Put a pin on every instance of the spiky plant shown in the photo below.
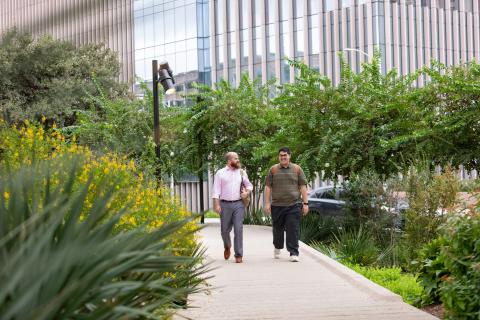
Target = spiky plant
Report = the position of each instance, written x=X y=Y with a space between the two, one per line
x=61 y=259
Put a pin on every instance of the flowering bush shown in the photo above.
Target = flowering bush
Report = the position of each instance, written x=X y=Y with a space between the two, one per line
x=148 y=205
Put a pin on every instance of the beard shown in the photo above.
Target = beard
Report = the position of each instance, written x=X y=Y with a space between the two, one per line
x=236 y=165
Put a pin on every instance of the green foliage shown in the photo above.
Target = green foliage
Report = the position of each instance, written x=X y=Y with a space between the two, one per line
x=52 y=78
x=148 y=203
x=393 y=279
x=432 y=270
x=59 y=262
x=314 y=227
x=453 y=273
x=367 y=198
x=125 y=126
x=470 y=185
x=344 y=129
x=225 y=119
x=449 y=109
x=430 y=197
x=257 y=217
x=356 y=246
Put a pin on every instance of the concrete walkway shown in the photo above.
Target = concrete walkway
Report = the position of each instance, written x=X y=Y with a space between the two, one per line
x=265 y=288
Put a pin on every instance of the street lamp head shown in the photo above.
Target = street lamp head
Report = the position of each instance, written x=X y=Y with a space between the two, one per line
x=165 y=76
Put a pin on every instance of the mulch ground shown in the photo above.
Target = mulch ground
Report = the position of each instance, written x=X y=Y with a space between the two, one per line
x=435 y=309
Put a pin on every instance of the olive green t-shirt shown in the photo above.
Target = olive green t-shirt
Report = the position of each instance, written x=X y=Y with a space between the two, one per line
x=285 y=184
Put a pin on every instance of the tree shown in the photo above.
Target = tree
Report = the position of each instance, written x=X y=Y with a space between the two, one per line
x=125 y=126
x=230 y=119
x=345 y=129
x=450 y=112
x=52 y=78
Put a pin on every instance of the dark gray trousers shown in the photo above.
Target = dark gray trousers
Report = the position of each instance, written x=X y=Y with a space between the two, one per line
x=231 y=216
x=286 y=220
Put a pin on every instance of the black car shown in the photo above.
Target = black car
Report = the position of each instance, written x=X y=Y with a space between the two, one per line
x=330 y=201
x=327 y=201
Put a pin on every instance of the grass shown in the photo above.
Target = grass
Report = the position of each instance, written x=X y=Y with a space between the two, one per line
x=403 y=284
x=211 y=214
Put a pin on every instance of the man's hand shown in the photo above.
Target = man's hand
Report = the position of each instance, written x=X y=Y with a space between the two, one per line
x=244 y=193
x=267 y=209
x=218 y=209
x=305 y=209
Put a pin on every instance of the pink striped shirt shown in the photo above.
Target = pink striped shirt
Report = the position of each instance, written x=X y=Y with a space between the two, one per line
x=226 y=184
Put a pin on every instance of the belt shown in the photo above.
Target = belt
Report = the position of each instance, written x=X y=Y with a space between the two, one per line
x=230 y=200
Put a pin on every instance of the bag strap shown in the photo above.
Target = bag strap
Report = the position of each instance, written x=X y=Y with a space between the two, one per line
x=242 y=174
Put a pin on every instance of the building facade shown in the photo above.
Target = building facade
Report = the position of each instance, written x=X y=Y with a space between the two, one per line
x=175 y=31
x=79 y=21
x=232 y=37
x=209 y=40
x=257 y=36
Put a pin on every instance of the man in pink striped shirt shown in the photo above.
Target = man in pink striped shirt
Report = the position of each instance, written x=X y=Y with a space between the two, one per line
x=230 y=186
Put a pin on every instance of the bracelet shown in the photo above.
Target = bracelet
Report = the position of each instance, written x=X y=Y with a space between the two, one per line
x=305 y=203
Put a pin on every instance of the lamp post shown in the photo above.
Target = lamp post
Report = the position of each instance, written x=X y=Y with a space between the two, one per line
x=163 y=75
x=358 y=50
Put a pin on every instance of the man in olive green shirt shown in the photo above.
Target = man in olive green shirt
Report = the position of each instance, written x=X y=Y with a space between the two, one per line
x=286 y=185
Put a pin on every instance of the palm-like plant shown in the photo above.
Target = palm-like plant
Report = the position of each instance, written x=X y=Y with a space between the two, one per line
x=58 y=262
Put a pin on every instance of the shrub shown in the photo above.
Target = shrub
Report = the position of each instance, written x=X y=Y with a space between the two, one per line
x=356 y=246
x=353 y=246
x=430 y=197
x=61 y=258
x=453 y=274
x=432 y=270
x=470 y=185
x=314 y=227
x=367 y=198
x=149 y=205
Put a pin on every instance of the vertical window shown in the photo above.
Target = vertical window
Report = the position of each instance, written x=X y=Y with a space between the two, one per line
x=347 y=3
x=298 y=8
x=270 y=10
x=469 y=5
x=313 y=6
x=258 y=13
x=219 y=16
x=231 y=16
x=284 y=9
x=244 y=14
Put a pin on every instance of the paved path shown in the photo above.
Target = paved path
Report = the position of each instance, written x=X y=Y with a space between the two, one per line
x=265 y=288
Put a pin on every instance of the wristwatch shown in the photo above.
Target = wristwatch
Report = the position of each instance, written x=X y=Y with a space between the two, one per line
x=305 y=203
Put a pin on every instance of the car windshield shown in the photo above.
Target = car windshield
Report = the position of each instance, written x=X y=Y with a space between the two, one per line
x=332 y=194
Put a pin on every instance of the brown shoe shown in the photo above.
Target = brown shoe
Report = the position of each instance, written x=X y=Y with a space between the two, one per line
x=226 y=253
x=238 y=260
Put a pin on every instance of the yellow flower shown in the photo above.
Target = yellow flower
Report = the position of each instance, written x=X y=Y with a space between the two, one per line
x=6 y=195
x=132 y=221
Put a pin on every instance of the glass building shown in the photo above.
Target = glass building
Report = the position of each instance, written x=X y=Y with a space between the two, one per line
x=409 y=34
x=209 y=40
x=175 y=31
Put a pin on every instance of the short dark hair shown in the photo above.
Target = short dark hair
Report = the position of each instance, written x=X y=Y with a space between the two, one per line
x=284 y=149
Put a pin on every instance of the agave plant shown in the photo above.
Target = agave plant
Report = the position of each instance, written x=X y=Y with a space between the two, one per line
x=59 y=260
x=356 y=246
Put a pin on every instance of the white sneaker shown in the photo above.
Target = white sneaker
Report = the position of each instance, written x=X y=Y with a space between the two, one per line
x=294 y=259
x=276 y=253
